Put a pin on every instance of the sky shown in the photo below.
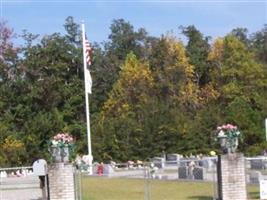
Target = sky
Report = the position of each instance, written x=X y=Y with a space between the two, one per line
x=212 y=17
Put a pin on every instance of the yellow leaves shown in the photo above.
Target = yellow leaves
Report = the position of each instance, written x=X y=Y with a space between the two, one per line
x=208 y=93
x=234 y=72
x=232 y=89
x=11 y=144
x=30 y=138
x=216 y=50
x=180 y=75
x=131 y=89
x=177 y=51
x=189 y=94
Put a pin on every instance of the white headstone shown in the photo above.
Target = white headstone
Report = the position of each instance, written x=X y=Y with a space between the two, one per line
x=3 y=174
x=263 y=189
x=40 y=167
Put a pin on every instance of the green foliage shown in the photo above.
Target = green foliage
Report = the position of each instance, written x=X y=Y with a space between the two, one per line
x=259 y=44
x=241 y=34
x=197 y=51
x=123 y=116
x=149 y=94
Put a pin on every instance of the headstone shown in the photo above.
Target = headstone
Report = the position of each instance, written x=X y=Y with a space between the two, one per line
x=183 y=163
x=172 y=158
x=158 y=162
x=182 y=172
x=3 y=174
x=263 y=189
x=257 y=164
x=108 y=170
x=198 y=173
x=40 y=167
x=254 y=177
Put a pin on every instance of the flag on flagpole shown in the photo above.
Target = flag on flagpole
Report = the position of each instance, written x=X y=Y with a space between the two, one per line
x=88 y=79
x=88 y=89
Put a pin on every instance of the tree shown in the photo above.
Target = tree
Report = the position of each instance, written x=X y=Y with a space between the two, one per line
x=123 y=118
x=259 y=44
x=242 y=35
x=175 y=77
x=197 y=51
x=161 y=97
x=124 y=39
x=74 y=34
x=108 y=57
x=241 y=84
x=177 y=95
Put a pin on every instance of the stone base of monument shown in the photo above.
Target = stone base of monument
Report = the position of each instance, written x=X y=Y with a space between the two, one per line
x=61 y=181
x=232 y=177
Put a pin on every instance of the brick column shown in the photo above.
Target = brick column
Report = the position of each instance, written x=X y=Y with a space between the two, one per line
x=61 y=182
x=232 y=177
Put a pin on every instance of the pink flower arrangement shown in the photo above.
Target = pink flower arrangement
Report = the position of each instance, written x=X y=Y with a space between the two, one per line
x=227 y=127
x=228 y=135
x=228 y=130
x=62 y=139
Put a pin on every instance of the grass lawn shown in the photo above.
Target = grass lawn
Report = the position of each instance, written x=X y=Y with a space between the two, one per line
x=134 y=189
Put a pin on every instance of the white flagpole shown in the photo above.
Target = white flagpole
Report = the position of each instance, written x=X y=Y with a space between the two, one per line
x=90 y=157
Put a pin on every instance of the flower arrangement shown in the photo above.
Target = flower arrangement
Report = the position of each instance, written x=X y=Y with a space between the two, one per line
x=62 y=140
x=228 y=135
x=60 y=147
x=228 y=130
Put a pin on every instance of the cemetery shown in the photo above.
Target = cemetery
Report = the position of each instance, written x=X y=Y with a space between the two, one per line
x=173 y=176
x=224 y=177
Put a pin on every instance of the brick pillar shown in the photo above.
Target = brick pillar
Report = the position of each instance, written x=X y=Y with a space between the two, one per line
x=232 y=177
x=61 y=181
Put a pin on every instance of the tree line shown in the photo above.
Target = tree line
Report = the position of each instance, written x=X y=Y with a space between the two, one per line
x=150 y=94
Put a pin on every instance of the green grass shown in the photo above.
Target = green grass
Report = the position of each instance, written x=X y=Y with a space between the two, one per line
x=134 y=189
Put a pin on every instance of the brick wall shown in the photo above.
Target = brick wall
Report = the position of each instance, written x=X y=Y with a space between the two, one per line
x=61 y=181
x=233 y=177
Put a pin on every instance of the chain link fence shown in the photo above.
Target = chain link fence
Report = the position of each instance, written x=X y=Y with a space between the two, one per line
x=182 y=171
x=153 y=176
x=256 y=170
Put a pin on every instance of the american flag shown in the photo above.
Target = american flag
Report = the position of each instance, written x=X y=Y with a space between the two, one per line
x=87 y=48
x=88 y=79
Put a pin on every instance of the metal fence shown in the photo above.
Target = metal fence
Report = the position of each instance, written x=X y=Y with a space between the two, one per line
x=78 y=173
x=256 y=170
x=185 y=170
x=150 y=174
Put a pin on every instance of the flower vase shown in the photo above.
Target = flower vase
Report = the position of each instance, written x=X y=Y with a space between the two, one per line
x=233 y=144
x=55 y=151
x=60 y=154
x=65 y=154
x=224 y=143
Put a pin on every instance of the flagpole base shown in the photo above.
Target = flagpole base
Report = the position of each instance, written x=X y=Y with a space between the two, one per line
x=90 y=163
